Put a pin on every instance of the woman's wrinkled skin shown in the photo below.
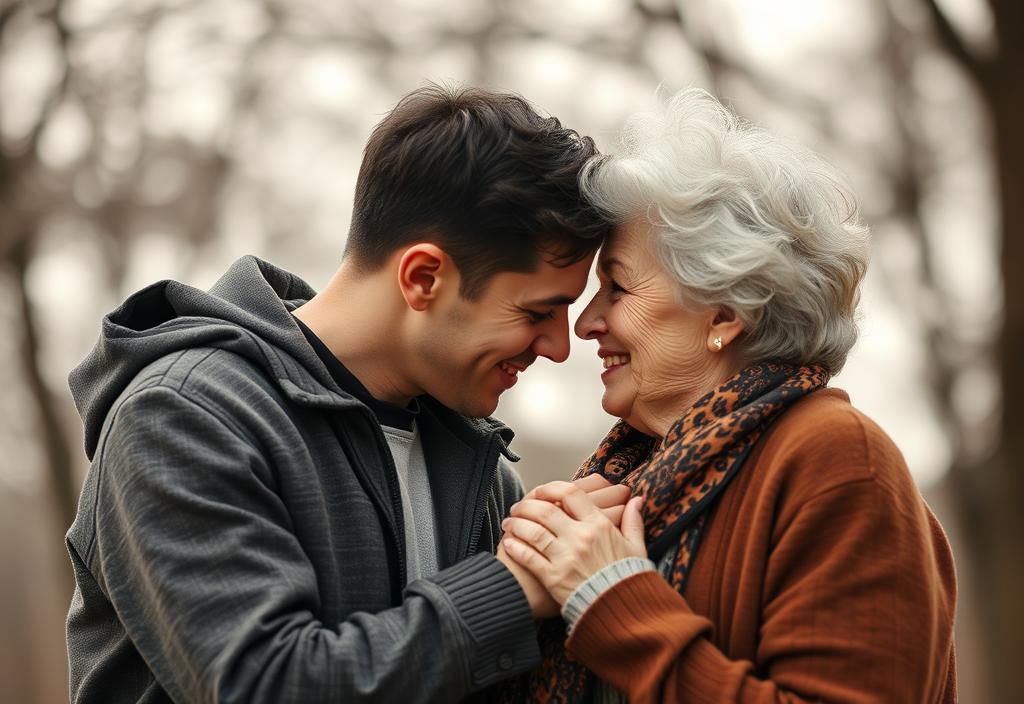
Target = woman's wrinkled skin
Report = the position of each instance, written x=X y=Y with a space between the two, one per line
x=672 y=356
x=664 y=357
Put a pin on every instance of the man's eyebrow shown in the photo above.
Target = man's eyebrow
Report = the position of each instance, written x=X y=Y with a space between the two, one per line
x=557 y=300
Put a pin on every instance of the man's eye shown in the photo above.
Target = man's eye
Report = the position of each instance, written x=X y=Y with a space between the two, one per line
x=538 y=317
x=614 y=287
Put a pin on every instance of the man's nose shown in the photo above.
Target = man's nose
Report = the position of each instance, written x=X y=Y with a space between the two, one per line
x=553 y=343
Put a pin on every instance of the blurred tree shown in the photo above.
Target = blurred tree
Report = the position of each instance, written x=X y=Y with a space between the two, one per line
x=984 y=478
x=991 y=492
x=126 y=118
x=28 y=191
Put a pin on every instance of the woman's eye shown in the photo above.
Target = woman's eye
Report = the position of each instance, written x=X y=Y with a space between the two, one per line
x=614 y=289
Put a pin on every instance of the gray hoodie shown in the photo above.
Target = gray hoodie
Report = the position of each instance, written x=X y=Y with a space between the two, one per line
x=239 y=534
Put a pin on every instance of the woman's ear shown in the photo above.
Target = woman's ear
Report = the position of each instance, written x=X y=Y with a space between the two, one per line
x=423 y=269
x=725 y=327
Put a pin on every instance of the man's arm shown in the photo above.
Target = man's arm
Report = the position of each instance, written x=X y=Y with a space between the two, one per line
x=197 y=556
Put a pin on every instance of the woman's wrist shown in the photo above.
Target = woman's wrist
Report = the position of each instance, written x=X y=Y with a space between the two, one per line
x=604 y=579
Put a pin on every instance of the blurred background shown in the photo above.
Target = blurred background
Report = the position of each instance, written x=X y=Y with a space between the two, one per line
x=143 y=140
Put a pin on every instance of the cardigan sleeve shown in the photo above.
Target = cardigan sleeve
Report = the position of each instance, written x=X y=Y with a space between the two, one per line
x=854 y=602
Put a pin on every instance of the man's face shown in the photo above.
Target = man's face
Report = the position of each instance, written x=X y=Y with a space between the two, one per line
x=476 y=349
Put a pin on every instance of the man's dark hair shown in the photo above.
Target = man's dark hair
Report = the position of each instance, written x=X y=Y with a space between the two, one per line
x=481 y=175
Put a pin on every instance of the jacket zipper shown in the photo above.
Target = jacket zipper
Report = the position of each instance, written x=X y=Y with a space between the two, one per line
x=391 y=476
x=396 y=504
x=490 y=458
x=481 y=499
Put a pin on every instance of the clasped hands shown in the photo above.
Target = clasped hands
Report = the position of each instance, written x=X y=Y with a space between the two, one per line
x=562 y=533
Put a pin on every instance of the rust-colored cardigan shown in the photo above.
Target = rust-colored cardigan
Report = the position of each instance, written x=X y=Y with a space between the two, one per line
x=821 y=576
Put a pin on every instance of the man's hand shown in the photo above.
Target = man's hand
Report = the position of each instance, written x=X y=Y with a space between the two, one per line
x=609 y=498
x=542 y=605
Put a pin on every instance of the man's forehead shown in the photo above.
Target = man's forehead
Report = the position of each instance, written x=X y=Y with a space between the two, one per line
x=550 y=285
x=556 y=300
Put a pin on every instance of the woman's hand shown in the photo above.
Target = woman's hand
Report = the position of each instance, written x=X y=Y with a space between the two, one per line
x=609 y=498
x=563 y=538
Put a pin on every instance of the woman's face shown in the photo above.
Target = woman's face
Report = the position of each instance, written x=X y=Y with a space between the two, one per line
x=659 y=357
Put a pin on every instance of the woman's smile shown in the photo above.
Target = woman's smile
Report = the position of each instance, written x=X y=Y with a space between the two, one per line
x=612 y=361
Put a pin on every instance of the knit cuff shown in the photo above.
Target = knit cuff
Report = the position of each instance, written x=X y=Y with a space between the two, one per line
x=643 y=620
x=497 y=615
x=608 y=576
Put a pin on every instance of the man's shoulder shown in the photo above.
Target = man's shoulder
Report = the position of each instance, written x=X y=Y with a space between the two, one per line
x=222 y=383
x=201 y=371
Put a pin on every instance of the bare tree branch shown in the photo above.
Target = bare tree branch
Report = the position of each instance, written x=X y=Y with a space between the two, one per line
x=55 y=442
x=60 y=90
x=954 y=43
x=6 y=13
x=670 y=13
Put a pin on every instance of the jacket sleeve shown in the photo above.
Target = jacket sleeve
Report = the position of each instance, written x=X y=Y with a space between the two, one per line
x=854 y=599
x=194 y=549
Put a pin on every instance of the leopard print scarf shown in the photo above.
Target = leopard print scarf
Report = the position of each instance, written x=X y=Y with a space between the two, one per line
x=680 y=477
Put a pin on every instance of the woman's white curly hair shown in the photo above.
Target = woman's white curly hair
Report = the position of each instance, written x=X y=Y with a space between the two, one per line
x=744 y=220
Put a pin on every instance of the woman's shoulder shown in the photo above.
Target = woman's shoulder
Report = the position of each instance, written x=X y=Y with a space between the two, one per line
x=827 y=442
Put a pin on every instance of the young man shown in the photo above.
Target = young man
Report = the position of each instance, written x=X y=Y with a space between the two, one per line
x=296 y=497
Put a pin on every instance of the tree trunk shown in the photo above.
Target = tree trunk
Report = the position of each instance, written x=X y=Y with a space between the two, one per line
x=55 y=442
x=1006 y=534
x=991 y=496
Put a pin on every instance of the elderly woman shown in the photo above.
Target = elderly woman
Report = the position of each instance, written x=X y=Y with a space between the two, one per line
x=776 y=548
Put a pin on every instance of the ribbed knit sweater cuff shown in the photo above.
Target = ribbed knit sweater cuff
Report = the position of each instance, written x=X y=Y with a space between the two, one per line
x=497 y=615
x=587 y=593
x=634 y=632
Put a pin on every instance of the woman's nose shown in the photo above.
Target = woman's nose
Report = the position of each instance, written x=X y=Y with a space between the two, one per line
x=591 y=322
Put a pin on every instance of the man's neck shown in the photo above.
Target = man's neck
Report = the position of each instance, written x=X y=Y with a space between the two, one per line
x=358 y=323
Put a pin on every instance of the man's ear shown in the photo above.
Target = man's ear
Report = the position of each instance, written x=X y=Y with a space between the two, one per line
x=725 y=327
x=423 y=269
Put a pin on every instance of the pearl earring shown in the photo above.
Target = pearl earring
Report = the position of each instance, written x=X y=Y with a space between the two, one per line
x=718 y=343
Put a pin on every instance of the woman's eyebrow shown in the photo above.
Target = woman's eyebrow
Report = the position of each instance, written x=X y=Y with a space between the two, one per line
x=606 y=265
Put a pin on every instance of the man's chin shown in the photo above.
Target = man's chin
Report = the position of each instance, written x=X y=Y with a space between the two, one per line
x=482 y=410
x=479 y=407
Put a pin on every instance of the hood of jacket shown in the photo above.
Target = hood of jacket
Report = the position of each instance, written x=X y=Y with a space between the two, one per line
x=248 y=311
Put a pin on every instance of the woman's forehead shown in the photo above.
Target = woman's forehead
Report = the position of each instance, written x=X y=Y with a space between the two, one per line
x=624 y=246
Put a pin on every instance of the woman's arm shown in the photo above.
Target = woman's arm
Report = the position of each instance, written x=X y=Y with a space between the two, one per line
x=853 y=611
